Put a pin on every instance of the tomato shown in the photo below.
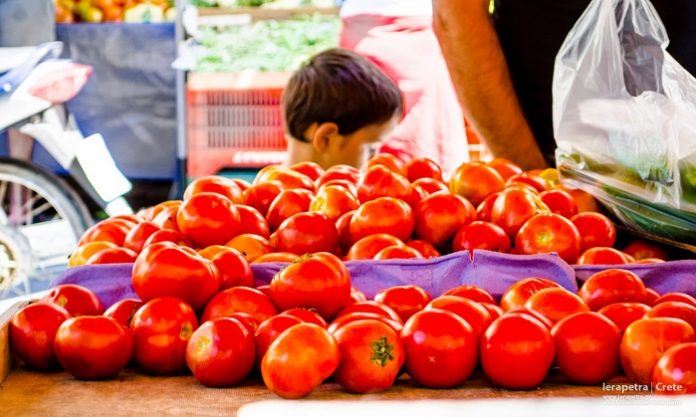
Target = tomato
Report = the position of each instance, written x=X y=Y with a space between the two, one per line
x=519 y=292
x=505 y=167
x=166 y=219
x=471 y=311
x=221 y=352
x=475 y=181
x=398 y=252
x=647 y=261
x=363 y=315
x=165 y=269
x=333 y=201
x=370 y=306
x=430 y=185
x=138 y=235
x=260 y=196
x=32 y=332
x=493 y=310
x=645 y=340
x=343 y=229
x=382 y=215
x=350 y=187
x=306 y=315
x=595 y=230
x=242 y=300
x=424 y=248
x=356 y=295
x=602 y=256
x=80 y=256
x=161 y=329
x=640 y=249
x=441 y=348
x=215 y=184
x=675 y=372
x=291 y=179
x=517 y=351
x=587 y=348
x=532 y=180
x=250 y=246
x=233 y=268
x=379 y=181
x=299 y=360
x=168 y=236
x=418 y=168
x=405 y=300
x=387 y=161
x=481 y=235
x=548 y=233
x=309 y=169
x=623 y=314
x=675 y=309
x=676 y=296
x=124 y=310
x=208 y=219
x=556 y=303
x=283 y=257
x=307 y=233
x=513 y=208
x=252 y=222
x=484 y=210
x=269 y=331
x=369 y=246
x=335 y=173
x=287 y=203
x=108 y=230
x=112 y=256
x=266 y=290
x=471 y=292
x=533 y=314
x=371 y=356
x=93 y=347
x=612 y=286
x=559 y=202
x=248 y=321
x=440 y=215
x=651 y=296
x=79 y=301
x=151 y=213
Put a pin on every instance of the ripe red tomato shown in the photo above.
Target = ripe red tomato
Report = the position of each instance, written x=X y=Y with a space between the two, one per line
x=173 y=236
x=242 y=184
x=547 y=233
x=556 y=304
x=640 y=249
x=418 y=168
x=343 y=228
x=475 y=181
x=405 y=300
x=233 y=268
x=382 y=215
x=334 y=173
x=363 y=315
x=252 y=222
x=161 y=329
x=440 y=215
x=93 y=347
x=525 y=178
x=306 y=315
x=559 y=202
x=471 y=292
x=505 y=167
x=261 y=195
x=517 y=351
x=645 y=340
x=345 y=184
x=513 y=208
x=595 y=230
x=290 y=179
x=380 y=181
x=612 y=286
x=518 y=293
x=675 y=372
x=493 y=310
x=371 y=356
x=283 y=257
x=587 y=348
x=441 y=348
x=623 y=314
x=138 y=235
x=424 y=248
x=165 y=269
x=471 y=311
x=308 y=168
x=240 y=300
x=388 y=161
x=215 y=184
x=32 y=332
x=533 y=314
x=299 y=360
x=221 y=352
x=370 y=306
x=356 y=295
x=318 y=281
x=247 y=320
x=112 y=256
x=484 y=210
x=307 y=233
x=430 y=185
x=79 y=301
x=602 y=256
x=250 y=246
x=675 y=309
x=269 y=330
x=166 y=219
x=651 y=296
x=109 y=230
x=676 y=296
x=481 y=235
x=287 y=203
x=333 y=201
x=398 y=252
x=369 y=246
x=208 y=219
x=124 y=310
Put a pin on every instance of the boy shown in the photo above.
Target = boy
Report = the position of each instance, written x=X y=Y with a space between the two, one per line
x=337 y=107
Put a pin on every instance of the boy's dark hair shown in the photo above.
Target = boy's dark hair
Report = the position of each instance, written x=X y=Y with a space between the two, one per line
x=342 y=87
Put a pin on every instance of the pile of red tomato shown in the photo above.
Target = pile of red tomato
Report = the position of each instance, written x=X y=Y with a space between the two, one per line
x=310 y=325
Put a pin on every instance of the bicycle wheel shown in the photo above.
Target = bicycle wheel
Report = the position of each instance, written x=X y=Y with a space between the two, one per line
x=41 y=220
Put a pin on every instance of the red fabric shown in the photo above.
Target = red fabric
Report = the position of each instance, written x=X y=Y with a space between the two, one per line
x=406 y=49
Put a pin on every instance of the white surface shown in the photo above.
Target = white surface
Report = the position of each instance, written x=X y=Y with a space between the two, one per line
x=101 y=169
x=14 y=110
x=391 y=8
x=13 y=57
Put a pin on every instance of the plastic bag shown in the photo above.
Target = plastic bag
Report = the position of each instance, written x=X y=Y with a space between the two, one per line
x=624 y=115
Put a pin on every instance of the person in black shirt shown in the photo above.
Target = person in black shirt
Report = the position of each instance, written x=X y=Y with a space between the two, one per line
x=502 y=67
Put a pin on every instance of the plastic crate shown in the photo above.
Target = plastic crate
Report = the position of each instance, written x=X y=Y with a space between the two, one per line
x=234 y=121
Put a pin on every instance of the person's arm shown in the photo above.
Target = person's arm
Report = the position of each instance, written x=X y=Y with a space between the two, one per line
x=480 y=75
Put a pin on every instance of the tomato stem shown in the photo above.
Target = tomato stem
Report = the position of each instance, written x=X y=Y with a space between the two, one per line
x=382 y=351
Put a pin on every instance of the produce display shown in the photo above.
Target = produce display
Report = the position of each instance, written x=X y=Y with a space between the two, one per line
x=128 y=11
x=266 y=4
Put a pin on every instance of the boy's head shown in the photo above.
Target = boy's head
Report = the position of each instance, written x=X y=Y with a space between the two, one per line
x=337 y=106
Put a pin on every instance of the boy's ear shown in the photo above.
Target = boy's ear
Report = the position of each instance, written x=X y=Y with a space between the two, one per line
x=323 y=134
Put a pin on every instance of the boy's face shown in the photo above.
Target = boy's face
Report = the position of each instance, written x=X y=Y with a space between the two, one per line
x=355 y=149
